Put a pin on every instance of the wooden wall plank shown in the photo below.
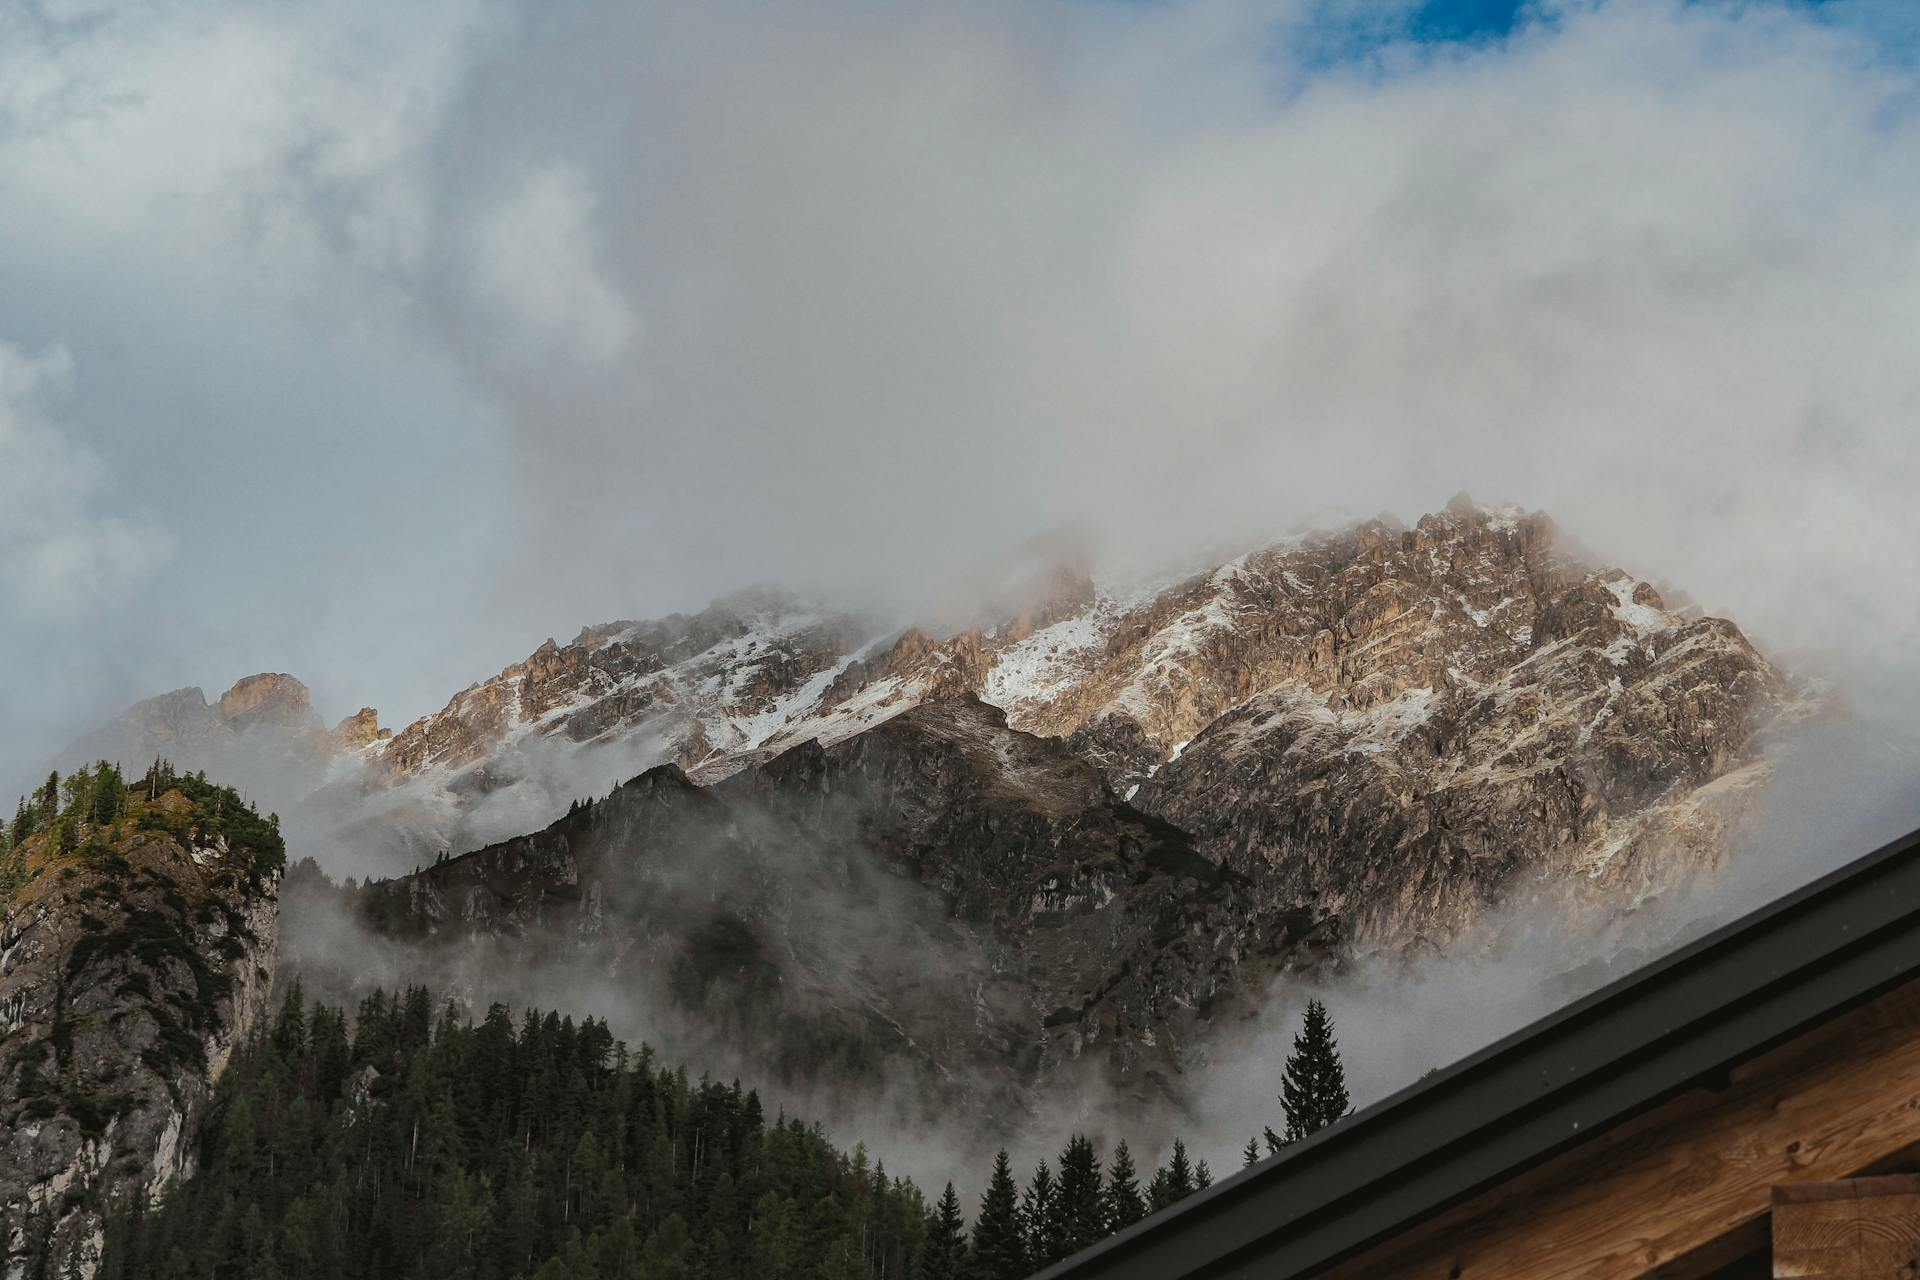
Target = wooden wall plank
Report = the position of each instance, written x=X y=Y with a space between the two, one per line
x=1650 y=1195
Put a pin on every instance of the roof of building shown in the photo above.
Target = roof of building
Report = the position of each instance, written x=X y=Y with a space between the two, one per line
x=1682 y=1021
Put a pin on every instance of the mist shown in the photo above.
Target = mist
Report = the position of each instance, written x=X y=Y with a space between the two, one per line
x=377 y=343
x=839 y=986
x=1842 y=788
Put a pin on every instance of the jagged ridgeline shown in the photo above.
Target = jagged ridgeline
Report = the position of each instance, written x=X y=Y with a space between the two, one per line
x=413 y=1143
x=140 y=924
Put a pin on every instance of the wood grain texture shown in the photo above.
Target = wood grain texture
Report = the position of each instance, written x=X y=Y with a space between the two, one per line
x=1847 y=1229
x=1685 y=1190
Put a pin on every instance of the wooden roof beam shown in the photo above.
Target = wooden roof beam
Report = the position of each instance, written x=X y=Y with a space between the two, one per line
x=1684 y=1191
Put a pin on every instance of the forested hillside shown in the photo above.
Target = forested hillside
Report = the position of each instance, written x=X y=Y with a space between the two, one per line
x=412 y=1143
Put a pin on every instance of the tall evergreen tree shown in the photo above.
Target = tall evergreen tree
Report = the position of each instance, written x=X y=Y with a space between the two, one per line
x=999 y=1241
x=108 y=797
x=944 y=1256
x=78 y=790
x=1123 y=1200
x=1313 y=1090
x=1040 y=1217
x=289 y=1036
x=1179 y=1171
x=1080 y=1206
x=1250 y=1154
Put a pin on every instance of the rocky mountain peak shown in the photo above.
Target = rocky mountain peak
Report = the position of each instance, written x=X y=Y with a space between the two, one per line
x=1358 y=628
x=269 y=698
x=359 y=730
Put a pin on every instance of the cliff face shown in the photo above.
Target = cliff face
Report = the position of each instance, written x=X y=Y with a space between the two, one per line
x=1353 y=621
x=1440 y=713
x=130 y=966
x=710 y=684
x=262 y=734
x=945 y=906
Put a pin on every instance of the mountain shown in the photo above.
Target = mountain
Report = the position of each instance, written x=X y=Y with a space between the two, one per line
x=1068 y=849
x=138 y=947
x=267 y=712
x=898 y=913
x=1475 y=643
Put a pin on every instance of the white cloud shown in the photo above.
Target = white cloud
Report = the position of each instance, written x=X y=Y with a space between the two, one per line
x=535 y=258
x=368 y=283
x=65 y=551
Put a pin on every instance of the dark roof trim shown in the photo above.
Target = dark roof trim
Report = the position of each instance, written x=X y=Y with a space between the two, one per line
x=1682 y=1021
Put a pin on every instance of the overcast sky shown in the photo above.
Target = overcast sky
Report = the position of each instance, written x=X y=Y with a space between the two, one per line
x=377 y=342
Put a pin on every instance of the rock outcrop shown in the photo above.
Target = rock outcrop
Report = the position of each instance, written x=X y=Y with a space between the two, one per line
x=262 y=734
x=359 y=730
x=130 y=966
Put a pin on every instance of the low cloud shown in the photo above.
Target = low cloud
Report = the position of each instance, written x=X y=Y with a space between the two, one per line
x=65 y=546
x=443 y=328
x=535 y=261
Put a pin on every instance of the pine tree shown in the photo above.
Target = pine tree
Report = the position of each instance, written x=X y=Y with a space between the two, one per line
x=1250 y=1154
x=108 y=796
x=1159 y=1193
x=999 y=1245
x=1202 y=1176
x=1179 y=1172
x=1081 y=1211
x=944 y=1256
x=1313 y=1091
x=289 y=1037
x=78 y=790
x=1123 y=1202
x=1040 y=1217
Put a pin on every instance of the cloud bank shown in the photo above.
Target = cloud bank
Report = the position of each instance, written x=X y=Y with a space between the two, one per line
x=63 y=551
x=417 y=333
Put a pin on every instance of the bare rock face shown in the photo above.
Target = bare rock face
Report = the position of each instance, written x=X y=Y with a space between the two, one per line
x=711 y=686
x=943 y=906
x=177 y=724
x=263 y=732
x=279 y=701
x=128 y=972
x=1514 y=658
x=1392 y=725
x=359 y=730
x=1478 y=714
